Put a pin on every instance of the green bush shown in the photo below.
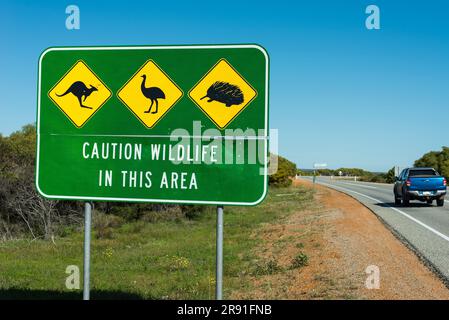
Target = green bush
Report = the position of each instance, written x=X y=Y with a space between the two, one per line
x=439 y=160
x=266 y=268
x=299 y=261
x=104 y=224
x=128 y=212
x=390 y=176
x=22 y=209
x=23 y=212
x=286 y=170
x=192 y=211
x=170 y=214
x=354 y=172
x=326 y=172
x=136 y=211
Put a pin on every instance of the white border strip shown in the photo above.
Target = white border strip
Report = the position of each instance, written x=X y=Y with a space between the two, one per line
x=253 y=46
x=204 y=138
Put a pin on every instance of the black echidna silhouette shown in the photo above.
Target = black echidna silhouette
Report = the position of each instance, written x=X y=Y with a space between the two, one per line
x=224 y=92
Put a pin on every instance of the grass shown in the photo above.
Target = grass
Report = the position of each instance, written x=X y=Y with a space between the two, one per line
x=142 y=260
x=300 y=261
x=266 y=268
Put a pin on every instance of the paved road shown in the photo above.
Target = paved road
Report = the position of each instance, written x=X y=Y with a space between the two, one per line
x=424 y=227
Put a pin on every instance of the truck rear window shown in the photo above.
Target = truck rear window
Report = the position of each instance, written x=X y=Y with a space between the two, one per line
x=424 y=172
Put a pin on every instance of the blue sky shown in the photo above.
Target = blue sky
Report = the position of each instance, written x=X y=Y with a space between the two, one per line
x=340 y=93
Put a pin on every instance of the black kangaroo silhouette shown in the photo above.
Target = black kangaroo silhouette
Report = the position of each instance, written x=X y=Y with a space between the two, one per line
x=152 y=93
x=81 y=91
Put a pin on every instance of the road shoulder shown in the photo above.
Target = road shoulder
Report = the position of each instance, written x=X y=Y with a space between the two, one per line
x=342 y=240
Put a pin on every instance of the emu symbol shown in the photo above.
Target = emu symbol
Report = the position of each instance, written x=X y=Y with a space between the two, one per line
x=152 y=93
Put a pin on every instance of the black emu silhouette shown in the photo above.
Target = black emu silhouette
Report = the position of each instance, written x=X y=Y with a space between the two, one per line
x=152 y=93
x=81 y=91
x=224 y=92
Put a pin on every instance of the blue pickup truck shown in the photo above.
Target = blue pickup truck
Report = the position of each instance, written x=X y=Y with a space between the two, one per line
x=423 y=184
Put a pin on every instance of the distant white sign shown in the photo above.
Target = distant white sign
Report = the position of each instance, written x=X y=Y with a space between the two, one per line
x=320 y=165
x=396 y=171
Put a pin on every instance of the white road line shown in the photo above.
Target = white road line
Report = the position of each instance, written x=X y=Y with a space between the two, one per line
x=359 y=185
x=395 y=209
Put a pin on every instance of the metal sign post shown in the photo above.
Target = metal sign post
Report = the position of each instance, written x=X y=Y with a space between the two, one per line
x=87 y=233
x=219 y=270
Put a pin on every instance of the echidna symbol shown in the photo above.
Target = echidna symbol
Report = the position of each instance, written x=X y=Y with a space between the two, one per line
x=224 y=92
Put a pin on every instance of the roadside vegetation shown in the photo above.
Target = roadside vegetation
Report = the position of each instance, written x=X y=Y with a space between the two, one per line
x=286 y=170
x=150 y=251
x=159 y=256
x=439 y=160
x=24 y=214
x=138 y=250
x=362 y=175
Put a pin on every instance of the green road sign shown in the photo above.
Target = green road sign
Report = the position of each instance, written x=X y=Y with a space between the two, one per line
x=175 y=124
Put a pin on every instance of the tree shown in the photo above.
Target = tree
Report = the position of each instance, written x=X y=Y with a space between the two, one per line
x=24 y=212
x=325 y=172
x=429 y=159
x=390 y=176
x=21 y=206
x=286 y=170
x=354 y=172
x=439 y=160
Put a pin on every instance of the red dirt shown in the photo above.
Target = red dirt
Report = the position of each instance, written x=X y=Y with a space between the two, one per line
x=341 y=238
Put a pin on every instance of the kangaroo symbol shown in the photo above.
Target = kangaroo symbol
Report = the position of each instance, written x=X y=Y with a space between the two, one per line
x=81 y=91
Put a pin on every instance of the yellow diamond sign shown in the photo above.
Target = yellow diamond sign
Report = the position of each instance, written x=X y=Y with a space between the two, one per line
x=79 y=94
x=150 y=94
x=222 y=94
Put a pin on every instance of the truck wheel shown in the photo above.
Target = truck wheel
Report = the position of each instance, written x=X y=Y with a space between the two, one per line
x=397 y=201
x=440 y=202
x=405 y=200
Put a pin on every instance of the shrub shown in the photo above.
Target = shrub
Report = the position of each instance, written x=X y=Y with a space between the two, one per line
x=192 y=211
x=170 y=214
x=282 y=177
x=105 y=223
x=439 y=160
x=136 y=211
x=299 y=261
x=390 y=176
x=270 y=267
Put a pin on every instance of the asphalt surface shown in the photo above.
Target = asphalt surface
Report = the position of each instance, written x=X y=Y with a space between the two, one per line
x=425 y=228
